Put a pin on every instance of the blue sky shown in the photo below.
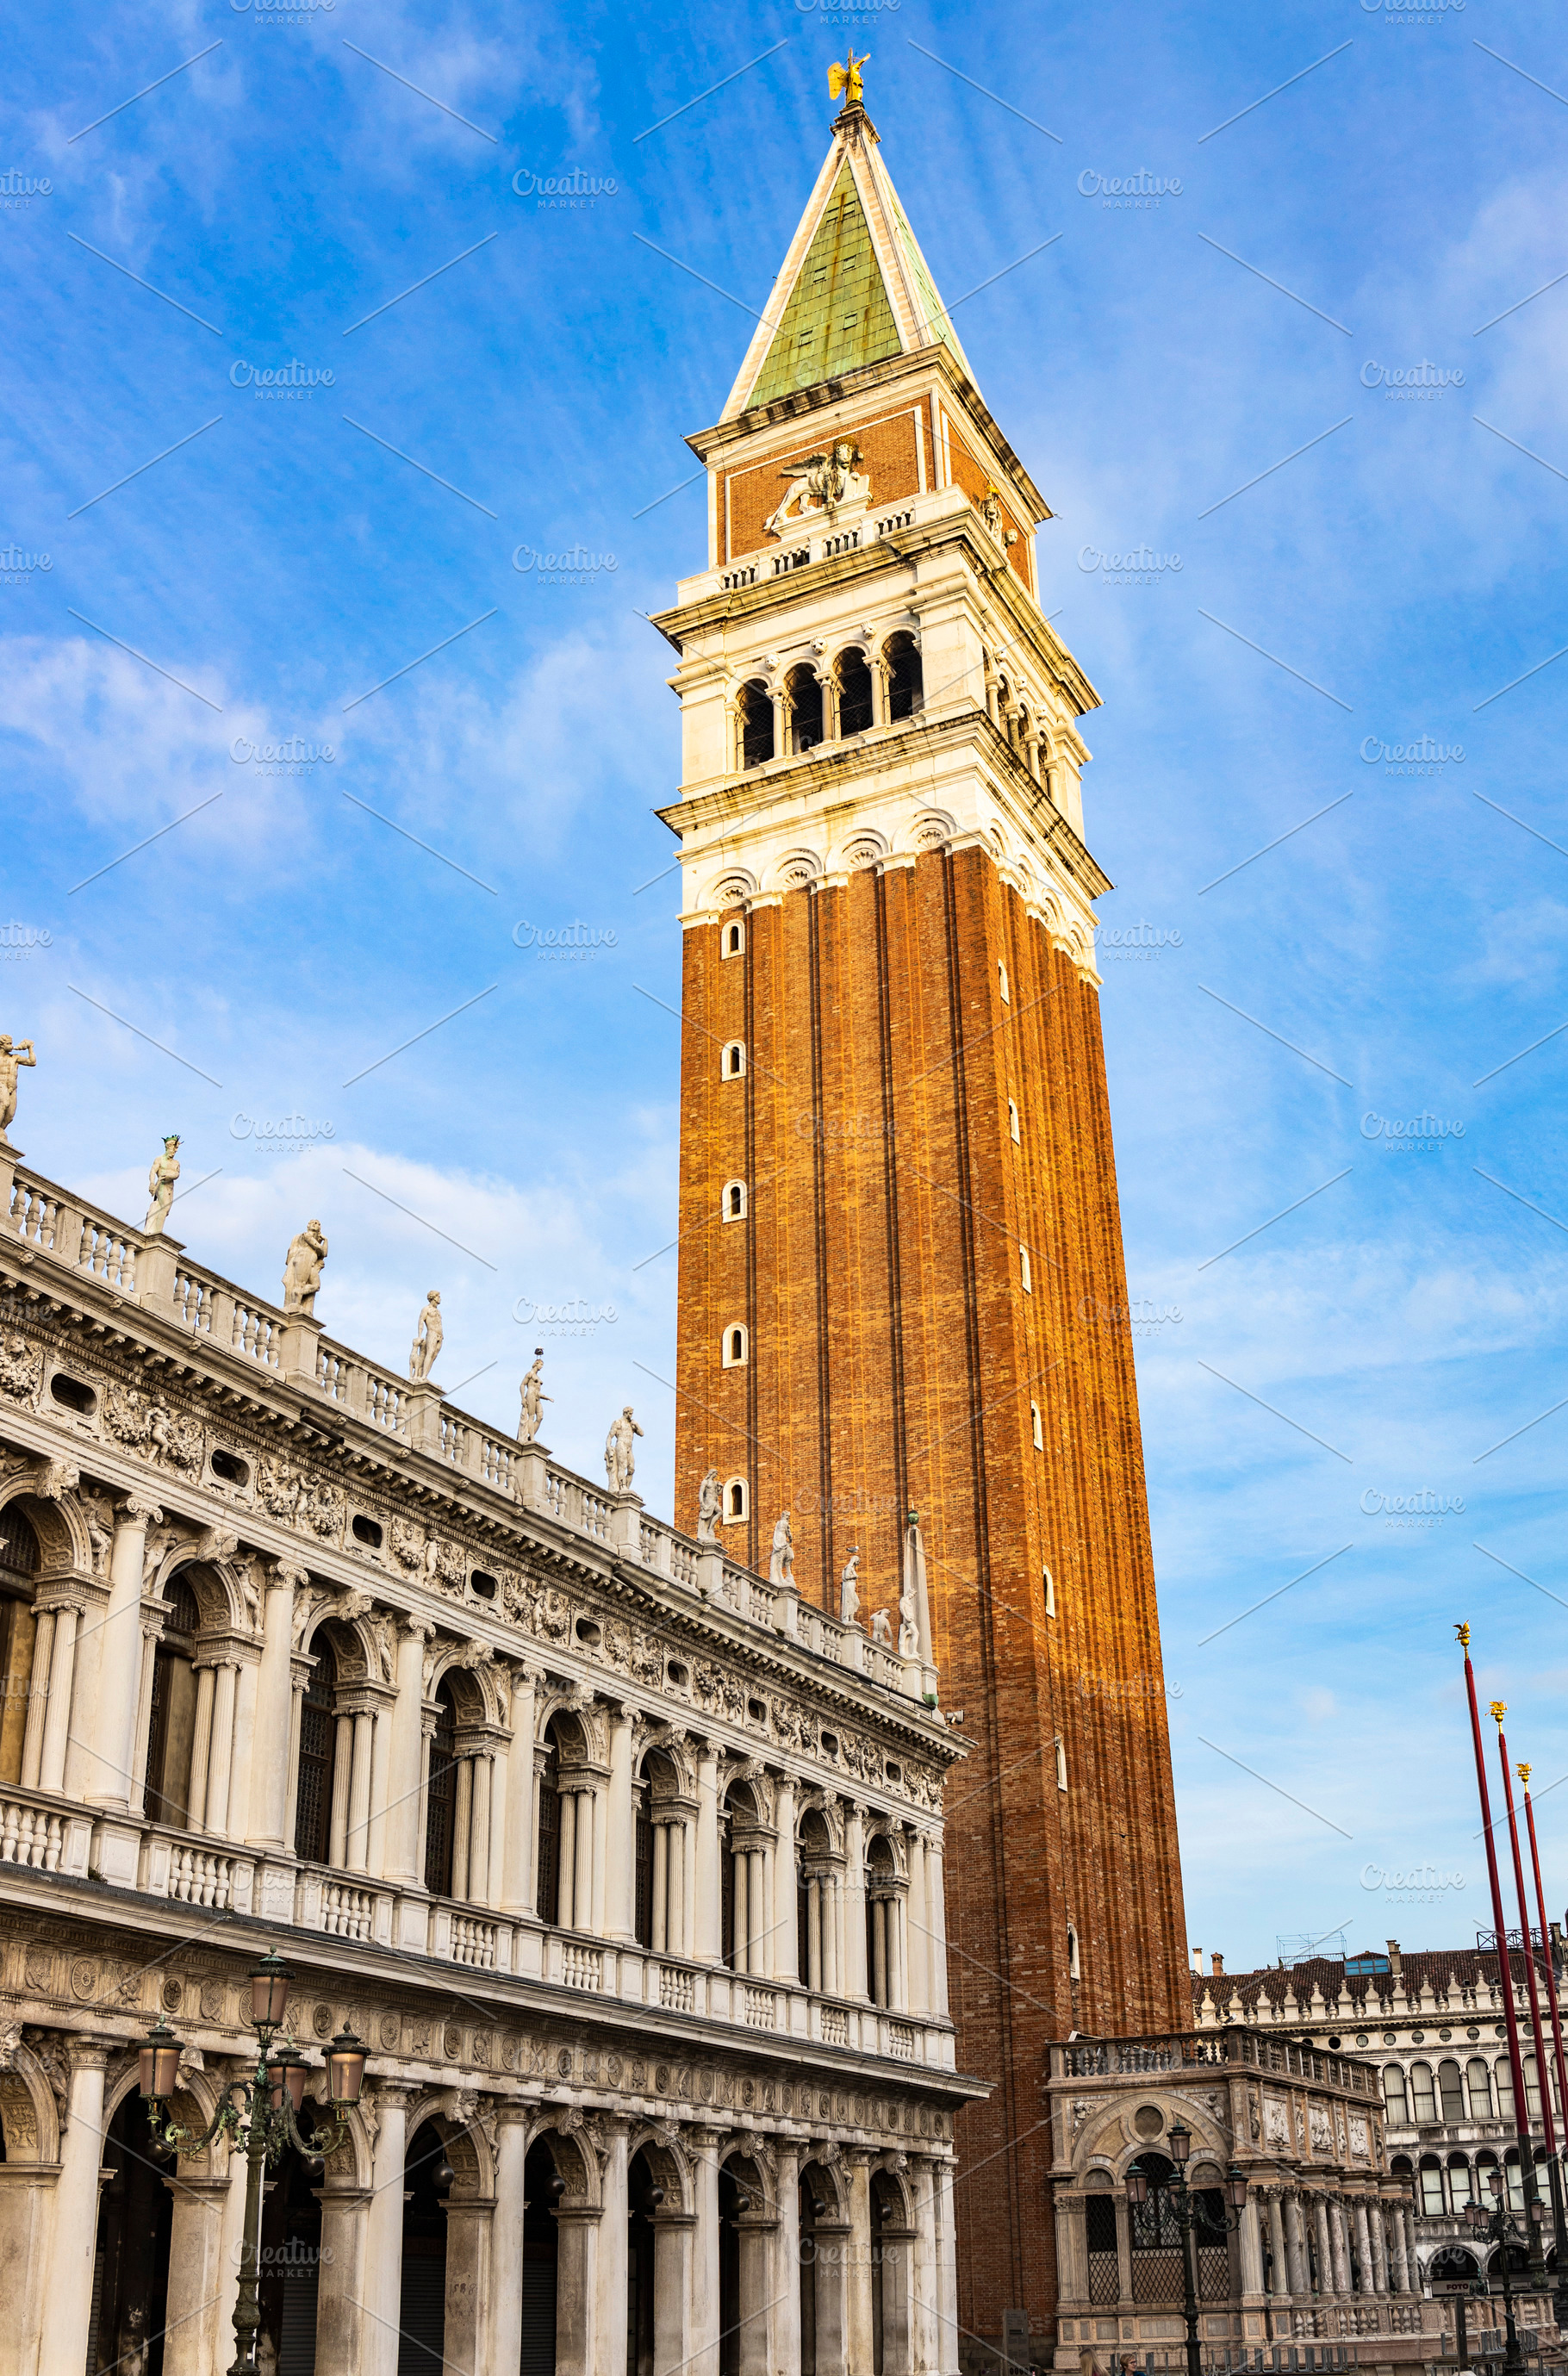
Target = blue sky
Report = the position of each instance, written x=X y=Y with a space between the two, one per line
x=285 y=188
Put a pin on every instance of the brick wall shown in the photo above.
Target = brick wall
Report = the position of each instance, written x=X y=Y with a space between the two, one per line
x=893 y=1360
x=889 y=461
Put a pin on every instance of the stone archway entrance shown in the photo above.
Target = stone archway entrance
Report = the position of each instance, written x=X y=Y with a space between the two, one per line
x=421 y=2314
x=542 y=2190
x=130 y=2270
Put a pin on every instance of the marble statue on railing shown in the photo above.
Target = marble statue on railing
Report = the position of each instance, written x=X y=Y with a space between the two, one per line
x=12 y=1057
x=531 y=1417
x=710 y=1504
x=908 y=1631
x=781 y=1558
x=301 y=1271
x=161 y=1185
x=882 y=1629
x=848 y=1595
x=620 y=1459
x=428 y=1335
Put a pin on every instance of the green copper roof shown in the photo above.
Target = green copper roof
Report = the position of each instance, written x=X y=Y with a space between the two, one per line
x=838 y=316
x=936 y=311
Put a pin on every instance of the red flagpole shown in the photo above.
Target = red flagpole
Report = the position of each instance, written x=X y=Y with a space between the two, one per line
x=1504 y=1969
x=1546 y=1945
x=1543 y=2069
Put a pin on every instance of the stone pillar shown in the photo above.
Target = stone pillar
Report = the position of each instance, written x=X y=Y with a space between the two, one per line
x=829 y=2279
x=1299 y=2277
x=575 y=2295
x=756 y=2302
x=478 y=1834
x=610 y=2318
x=897 y=2300
x=704 y=2338
x=1401 y=2269
x=620 y=1844
x=786 y=1956
x=1327 y=2275
x=855 y=1980
x=599 y=1811
x=503 y=2325
x=517 y=1873
x=55 y=1746
x=384 y=2229
x=707 y=1944
x=243 y=1777
x=342 y=1764
x=566 y=1861
x=38 y=1698
x=922 y=2338
x=380 y=1789
x=75 y=2238
x=1252 y=2249
x=271 y=1808
x=340 y=2320
x=109 y=1670
x=858 y=2273
x=784 y=2280
x=918 y=1926
x=220 y=1755
x=1406 y=2218
x=1339 y=2245
x=1280 y=2268
x=1370 y=2284
x=357 y=1846
x=193 y=2342
x=151 y=1635
x=404 y=1763
x=673 y=2232
x=948 y=2299
x=936 y=1905
x=471 y=2278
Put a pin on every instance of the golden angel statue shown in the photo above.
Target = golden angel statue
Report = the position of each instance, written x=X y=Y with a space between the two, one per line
x=845 y=80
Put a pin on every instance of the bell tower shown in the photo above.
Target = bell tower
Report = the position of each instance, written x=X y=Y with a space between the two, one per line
x=901 y=1275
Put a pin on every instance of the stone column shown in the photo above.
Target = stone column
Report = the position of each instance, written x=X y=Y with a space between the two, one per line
x=405 y=1776
x=1407 y=2218
x=340 y=2322
x=342 y=1765
x=833 y=2241
x=588 y=1895
x=219 y=1761
x=918 y=1926
x=784 y=2279
x=578 y=2227
x=598 y=1809
x=897 y=2300
x=1280 y=2269
x=858 y=2273
x=271 y=1810
x=462 y=1822
x=707 y=1944
x=55 y=1746
x=786 y=1957
x=756 y=2303
x=704 y=2338
x=517 y=1873
x=471 y=2276
x=922 y=2338
x=936 y=1908
x=503 y=2326
x=566 y=1861
x=620 y=1844
x=1299 y=2281
x=38 y=1698
x=1252 y=2249
x=243 y=1776
x=1370 y=2284
x=1339 y=2245
x=150 y=1634
x=610 y=2319
x=380 y=1789
x=384 y=2229
x=75 y=2237
x=109 y=1670
x=357 y=1846
x=948 y=2299
x=193 y=2342
x=1327 y=2276
x=1400 y=2271
x=855 y=1980
x=673 y=2232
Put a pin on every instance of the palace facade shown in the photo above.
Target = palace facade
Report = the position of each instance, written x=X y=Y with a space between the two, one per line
x=627 y=1867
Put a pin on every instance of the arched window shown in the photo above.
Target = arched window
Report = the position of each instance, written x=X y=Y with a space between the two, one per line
x=854 y=691
x=732 y=1060
x=1450 y=2093
x=906 y=683
x=1099 y=2238
x=732 y=938
x=735 y=1498
x=1513 y=2178
x=1025 y=1272
x=18 y=1565
x=1532 y=2091
x=816 y=1904
x=1002 y=983
x=734 y=1204
x=755 y=706
x=734 y=1349
x=1479 y=2079
x=1012 y=1123
x=803 y=697
x=442 y=1797
x=881 y=1921
x=1502 y=2080
x=1060 y=1763
x=1072 y=1972
x=1395 y=2099
x=1423 y=2103
x=1154 y=2236
x=313 y=1797
x=172 y=1734
x=1049 y=1591
x=1431 y=2186
x=546 y=1876
x=1036 y=1427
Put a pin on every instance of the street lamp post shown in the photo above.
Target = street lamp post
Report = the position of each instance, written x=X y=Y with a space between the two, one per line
x=273 y=2094
x=1499 y=2225
x=1191 y=2217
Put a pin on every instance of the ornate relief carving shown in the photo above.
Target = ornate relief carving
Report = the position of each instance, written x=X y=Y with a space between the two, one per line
x=21 y=1369
x=279 y=1486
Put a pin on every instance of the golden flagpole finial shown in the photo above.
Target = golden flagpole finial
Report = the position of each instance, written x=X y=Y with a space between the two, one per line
x=1462 y=1633
x=1498 y=1708
x=1523 y=1774
x=845 y=81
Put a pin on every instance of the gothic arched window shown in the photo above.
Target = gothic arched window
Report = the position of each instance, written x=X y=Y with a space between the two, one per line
x=854 y=691
x=802 y=696
x=755 y=709
x=906 y=680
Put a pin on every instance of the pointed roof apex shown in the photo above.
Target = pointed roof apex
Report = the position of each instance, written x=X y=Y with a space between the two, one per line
x=854 y=287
